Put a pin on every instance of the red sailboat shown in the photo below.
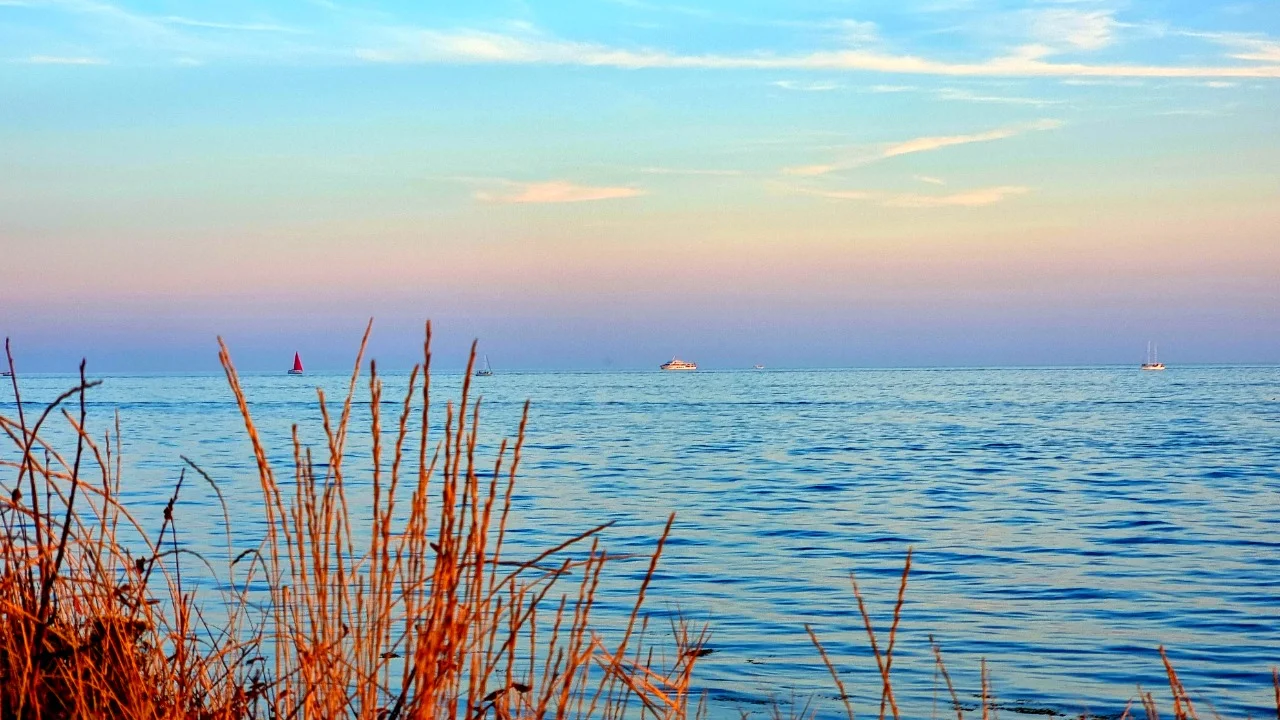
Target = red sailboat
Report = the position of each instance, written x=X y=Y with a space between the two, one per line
x=297 y=365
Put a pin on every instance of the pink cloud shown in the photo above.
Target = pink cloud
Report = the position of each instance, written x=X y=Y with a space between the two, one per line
x=558 y=191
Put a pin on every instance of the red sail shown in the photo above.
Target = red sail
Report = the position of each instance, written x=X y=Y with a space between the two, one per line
x=297 y=362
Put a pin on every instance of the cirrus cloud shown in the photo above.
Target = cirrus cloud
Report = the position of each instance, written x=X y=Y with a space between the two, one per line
x=63 y=60
x=978 y=197
x=557 y=191
x=921 y=144
x=424 y=45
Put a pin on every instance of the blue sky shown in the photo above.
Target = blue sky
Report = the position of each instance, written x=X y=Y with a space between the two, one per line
x=605 y=184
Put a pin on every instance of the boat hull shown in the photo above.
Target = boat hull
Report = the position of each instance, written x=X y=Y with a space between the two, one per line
x=295 y=372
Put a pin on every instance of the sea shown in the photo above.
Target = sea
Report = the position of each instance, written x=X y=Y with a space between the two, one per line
x=1064 y=522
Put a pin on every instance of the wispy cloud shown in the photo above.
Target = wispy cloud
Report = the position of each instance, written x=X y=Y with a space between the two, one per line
x=556 y=191
x=407 y=45
x=891 y=88
x=806 y=86
x=969 y=198
x=689 y=171
x=1192 y=112
x=1247 y=46
x=922 y=144
x=120 y=28
x=967 y=96
x=1103 y=82
x=930 y=179
x=925 y=144
x=238 y=27
x=1071 y=28
x=63 y=60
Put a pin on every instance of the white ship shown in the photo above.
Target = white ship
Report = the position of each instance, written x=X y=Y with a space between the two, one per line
x=678 y=364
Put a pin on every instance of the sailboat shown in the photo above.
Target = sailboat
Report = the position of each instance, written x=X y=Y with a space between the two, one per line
x=297 y=365
x=485 y=371
x=1153 y=361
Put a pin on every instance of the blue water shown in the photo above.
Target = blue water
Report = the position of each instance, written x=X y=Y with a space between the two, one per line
x=1065 y=521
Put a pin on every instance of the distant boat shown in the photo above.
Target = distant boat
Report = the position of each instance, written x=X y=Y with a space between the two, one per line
x=6 y=373
x=485 y=371
x=758 y=366
x=678 y=364
x=297 y=365
x=1153 y=362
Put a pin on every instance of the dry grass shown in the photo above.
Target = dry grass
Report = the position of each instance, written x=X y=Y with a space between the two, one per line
x=1183 y=709
x=423 y=619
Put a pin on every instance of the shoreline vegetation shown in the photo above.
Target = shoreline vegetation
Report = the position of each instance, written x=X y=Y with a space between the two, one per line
x=411 y=613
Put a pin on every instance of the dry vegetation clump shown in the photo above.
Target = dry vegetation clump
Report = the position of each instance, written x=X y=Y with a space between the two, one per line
x=410 y=613
x=424 y=619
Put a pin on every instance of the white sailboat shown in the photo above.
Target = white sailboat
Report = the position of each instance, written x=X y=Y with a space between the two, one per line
x=485 y=371
x=1153 y=361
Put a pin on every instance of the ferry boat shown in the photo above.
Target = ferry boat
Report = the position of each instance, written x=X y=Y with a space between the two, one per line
x=678 y=364
x=485 y=371
x=297 y=365
x=1153 y=362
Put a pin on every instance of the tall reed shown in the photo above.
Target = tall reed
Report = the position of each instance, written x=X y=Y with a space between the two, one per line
x=423 y=619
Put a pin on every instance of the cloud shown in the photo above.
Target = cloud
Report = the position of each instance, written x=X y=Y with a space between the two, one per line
x=689 y=171
x=557 y=191
x=930 y=179
x=1247 y=46
x=61 y=60
x=1076 y=29
x=1112 y=83
x=806 y=86
x=412 y=45
x=891 y=88
x=241 y=27
x=966 y=96
x=812 y=170
x=923 y=144
x=1192 y=112
x=970 y=198
x=857 y=32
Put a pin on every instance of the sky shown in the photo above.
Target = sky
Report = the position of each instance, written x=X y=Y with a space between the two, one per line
x=592 y=185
